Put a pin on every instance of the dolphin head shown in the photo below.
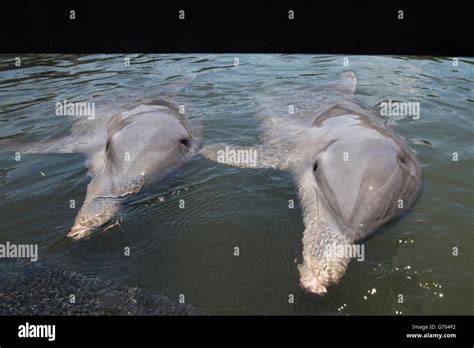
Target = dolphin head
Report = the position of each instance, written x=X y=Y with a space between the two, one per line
x=362 y=177
x=94 y=214
x=143 y=145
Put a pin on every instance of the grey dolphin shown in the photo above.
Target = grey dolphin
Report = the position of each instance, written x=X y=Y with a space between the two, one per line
x=130 y=145
x=353 y=172
x=142 y=145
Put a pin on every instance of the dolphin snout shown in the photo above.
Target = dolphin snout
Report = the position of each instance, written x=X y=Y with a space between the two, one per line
x=94 y=215
x=79 y=231
x=310 y=283
x=318 y=274
x=314 y=285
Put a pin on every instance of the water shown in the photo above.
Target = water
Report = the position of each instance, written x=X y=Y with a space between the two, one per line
x=191 y=251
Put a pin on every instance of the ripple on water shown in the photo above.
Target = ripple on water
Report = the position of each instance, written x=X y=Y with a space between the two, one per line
x=191 y=251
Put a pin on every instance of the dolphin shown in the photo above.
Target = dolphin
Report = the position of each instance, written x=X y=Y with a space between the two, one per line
x=142 y=145
x=129 y=146
x=353 y=172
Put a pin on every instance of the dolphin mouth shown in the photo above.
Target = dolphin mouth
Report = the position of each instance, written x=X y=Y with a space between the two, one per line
x=314 y=286
x=316 y=278
x=78 y=232
x=310 y=283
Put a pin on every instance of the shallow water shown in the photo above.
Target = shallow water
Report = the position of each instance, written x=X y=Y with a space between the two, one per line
x=191 y=251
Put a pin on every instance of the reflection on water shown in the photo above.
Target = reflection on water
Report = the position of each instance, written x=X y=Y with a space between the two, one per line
x=191 y=251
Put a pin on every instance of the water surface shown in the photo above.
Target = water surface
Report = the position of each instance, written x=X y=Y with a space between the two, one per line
x=191 y=251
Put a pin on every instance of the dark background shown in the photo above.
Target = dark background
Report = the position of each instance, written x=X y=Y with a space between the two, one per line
x=223 y=329
x=330 y=27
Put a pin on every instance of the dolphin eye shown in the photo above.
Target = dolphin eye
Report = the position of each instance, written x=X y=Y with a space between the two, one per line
x=185 y=142
x=315 y=166
x=402 y=160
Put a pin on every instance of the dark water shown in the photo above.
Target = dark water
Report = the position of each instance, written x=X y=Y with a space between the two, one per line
x=191 y=251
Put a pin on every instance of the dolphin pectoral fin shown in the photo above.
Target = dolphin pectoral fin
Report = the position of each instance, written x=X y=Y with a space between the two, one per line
x=237 y=155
